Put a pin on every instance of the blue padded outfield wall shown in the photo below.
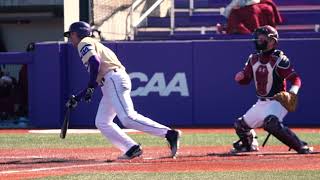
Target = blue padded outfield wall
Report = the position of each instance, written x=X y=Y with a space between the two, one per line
x=177 y=83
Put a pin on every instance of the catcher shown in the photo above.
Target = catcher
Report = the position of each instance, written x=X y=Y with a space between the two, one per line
x=270 y=69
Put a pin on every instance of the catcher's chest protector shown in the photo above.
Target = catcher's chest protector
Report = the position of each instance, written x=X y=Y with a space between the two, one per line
x=266 y=79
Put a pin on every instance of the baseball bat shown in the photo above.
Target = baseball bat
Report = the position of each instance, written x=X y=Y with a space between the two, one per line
x=65 y=125
x=265 y=141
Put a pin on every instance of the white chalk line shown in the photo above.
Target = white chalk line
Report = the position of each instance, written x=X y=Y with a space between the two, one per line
x=78 y=166
x=57 y=168
x=75 y=131
x=23 y=157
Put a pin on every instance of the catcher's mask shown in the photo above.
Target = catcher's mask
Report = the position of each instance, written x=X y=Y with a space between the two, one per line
x=269 y=32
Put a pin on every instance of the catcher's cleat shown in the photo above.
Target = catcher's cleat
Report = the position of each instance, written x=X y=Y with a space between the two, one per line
x=173 y=137
x=305 y=150
x=239 y=148
x=134 y=151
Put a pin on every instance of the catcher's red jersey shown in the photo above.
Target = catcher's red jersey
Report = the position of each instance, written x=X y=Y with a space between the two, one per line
x=270 y=72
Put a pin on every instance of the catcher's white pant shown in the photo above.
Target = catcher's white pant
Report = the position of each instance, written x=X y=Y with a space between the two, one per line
x=255 y=116
x=116 y=100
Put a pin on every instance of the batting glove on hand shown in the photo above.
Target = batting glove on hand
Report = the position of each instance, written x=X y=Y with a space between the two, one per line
x=72 y=102
x=88 y=95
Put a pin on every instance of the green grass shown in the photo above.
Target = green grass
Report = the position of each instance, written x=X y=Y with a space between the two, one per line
x=16 y=141
x=97 y=140
x=239 y=175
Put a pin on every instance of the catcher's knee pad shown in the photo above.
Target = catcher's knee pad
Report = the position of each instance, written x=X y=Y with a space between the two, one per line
x=282 y=133
x=271 y=123
x=244 y=133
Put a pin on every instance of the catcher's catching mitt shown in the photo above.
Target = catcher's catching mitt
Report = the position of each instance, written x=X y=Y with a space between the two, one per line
x=287 y=100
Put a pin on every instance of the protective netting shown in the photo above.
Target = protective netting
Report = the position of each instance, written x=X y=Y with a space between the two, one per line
x=103 y=9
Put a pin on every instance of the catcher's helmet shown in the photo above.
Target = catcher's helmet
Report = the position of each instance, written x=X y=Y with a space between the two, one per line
x=267 y=30
x=83 y=29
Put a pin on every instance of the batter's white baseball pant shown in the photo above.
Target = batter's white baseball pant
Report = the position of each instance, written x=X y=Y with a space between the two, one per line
x=116 y=100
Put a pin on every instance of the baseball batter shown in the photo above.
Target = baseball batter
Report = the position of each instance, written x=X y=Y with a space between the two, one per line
x=106 y=71
x=270 y=69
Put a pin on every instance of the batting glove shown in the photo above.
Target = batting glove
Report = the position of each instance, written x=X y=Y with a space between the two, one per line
x=88 y=95
x=72 y=102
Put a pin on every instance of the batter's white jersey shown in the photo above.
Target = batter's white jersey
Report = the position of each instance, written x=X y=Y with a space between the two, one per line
x=108 y=60
x=116 y=98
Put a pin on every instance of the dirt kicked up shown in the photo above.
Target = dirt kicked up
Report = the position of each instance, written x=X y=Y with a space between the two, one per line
x=28 y=163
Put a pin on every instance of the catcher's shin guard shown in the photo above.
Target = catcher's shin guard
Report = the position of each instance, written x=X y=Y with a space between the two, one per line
x=245 y=135
x=282 y=133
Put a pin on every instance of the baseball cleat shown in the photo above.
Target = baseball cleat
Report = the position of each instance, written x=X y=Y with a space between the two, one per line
x=305 y=150
x=239 y=148
x=244 y=149
x=173 y=137
x=134 y=151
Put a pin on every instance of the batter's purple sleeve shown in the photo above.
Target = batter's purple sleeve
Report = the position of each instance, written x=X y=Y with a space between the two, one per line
x=94 y=64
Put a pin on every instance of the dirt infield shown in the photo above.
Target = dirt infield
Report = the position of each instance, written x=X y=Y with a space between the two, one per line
x=29 y=163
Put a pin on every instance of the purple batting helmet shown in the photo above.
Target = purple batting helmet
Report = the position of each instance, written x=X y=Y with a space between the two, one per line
x=83 y=29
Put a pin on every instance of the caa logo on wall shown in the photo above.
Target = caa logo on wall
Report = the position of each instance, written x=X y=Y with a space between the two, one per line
x=157 y=83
